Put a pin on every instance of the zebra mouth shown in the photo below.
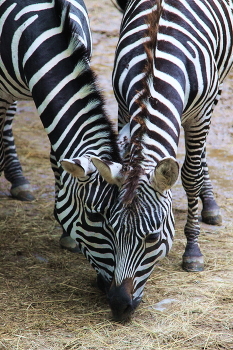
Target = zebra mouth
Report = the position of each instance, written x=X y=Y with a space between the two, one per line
x=123 y=308
x=120 y=298
x=121 y=301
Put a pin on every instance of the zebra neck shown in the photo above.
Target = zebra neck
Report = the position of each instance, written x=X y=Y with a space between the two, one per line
x=50 y=63
x=154 y=135
x=72 y=111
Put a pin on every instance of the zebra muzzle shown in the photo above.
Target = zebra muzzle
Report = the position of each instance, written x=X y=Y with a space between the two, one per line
x=121 y=300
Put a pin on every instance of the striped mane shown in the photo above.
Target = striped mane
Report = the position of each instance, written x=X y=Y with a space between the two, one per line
x=136 y=156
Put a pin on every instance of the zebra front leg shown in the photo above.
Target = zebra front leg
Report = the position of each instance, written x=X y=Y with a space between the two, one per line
x=65 y=241
x=211 y=212
x=192 y=179
x=192 y=258
x=20 y=186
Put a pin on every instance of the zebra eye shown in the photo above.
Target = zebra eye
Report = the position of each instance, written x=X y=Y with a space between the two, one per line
x=153 y=237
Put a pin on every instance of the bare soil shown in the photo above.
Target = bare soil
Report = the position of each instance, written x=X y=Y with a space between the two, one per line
x=48 y=297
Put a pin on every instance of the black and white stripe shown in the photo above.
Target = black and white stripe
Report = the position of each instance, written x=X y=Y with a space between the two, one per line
x=171 y=60
x=45 y=52
x=20 y=186
x=167 y=74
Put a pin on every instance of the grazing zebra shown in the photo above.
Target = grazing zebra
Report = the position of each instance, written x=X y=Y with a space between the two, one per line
x=170 y=62
x=20 y=187
x=45 y=51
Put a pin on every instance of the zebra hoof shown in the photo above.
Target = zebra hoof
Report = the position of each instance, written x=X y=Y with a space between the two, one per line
x=22 y=193
x=211 y=212
x=211 y=217
x=66 y=242
x=193 y=264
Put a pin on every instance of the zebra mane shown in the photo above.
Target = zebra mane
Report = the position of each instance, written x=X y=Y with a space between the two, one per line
x=81 y=58
x=136 y=157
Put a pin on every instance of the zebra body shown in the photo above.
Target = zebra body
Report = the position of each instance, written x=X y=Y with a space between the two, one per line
x=45 y=51
x=170 y=62
x=21 y=188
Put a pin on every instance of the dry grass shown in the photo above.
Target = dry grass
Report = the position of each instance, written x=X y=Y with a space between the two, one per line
x=48 y=297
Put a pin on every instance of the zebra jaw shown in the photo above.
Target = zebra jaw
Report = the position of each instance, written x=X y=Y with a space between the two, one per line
x=78 y=167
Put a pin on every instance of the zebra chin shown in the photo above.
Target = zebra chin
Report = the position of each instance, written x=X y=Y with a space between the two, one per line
x=120 y=298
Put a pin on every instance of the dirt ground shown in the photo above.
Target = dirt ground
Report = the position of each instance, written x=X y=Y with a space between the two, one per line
x=48 y=297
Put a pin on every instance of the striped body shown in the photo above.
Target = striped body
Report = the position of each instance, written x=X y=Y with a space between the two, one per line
x=20 y=187
x=45 y=51
x=171 y=59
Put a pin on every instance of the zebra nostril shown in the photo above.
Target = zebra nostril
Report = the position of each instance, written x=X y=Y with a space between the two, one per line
x=121 y=310
x=121 y=300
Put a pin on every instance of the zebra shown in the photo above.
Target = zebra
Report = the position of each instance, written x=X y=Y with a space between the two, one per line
x=45 y=57
x=20 y=186
x=170 y=63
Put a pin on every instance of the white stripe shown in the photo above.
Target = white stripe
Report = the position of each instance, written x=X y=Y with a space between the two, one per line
x=15 y=46
x=163 y=133
x=5 y=15
x=40 y=40
x=180 y=64
x=34 y=8
x=78 y=70
x=82 y=38
x=49 y=66
x=162 y=117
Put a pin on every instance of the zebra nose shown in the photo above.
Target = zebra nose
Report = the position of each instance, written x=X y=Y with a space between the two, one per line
x=120 y=300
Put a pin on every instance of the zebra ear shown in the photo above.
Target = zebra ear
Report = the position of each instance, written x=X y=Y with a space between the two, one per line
x=78 y=167
x=166 y=174
x=110 y=171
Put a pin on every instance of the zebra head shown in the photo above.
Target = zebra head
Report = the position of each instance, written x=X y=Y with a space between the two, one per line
x=143 y=226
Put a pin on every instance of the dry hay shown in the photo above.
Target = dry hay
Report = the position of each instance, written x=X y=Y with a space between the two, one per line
x=48 y=297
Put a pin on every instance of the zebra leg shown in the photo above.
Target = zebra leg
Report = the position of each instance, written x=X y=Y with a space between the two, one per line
x=66 y=242
x=211 y=212
x=192 y=176
x=2 y=155
x=20 y=186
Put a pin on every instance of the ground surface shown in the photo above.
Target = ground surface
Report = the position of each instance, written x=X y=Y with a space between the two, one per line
x=48 y=297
